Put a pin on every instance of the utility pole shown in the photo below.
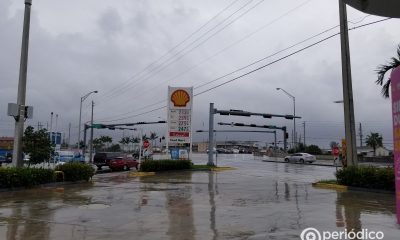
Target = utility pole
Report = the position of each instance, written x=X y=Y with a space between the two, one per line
x=349 y=123
x=361 y=135
x=91 y=136
x=17 y=160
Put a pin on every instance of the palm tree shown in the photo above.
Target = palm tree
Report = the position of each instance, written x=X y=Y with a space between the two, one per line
x=383 y=69
x=153 y=137
x=124 y=141
x=106 y=140
x=374 y=140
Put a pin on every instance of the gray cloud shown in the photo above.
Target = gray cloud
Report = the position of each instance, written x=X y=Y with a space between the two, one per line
x=99 y=45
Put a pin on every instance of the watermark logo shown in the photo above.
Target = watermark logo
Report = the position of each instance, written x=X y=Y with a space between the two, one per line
x=364 y=234
x=310 y=234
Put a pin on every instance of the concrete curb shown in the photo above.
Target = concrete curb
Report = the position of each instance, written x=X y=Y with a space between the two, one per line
x=345 y=188
x=310 y=164
x=332 y=186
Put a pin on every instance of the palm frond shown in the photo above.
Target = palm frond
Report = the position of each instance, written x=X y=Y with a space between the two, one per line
x=398 y=51
x=386 y=89
x=381 y=71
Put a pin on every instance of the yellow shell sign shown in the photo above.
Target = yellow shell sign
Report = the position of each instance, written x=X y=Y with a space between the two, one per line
x=180 y=98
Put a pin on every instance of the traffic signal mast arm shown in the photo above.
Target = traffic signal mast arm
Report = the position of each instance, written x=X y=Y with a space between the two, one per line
x=252 y=125
x=116 y=126
x=233 y=112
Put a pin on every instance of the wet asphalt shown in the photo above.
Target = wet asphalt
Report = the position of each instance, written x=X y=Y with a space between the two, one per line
x=258 y=200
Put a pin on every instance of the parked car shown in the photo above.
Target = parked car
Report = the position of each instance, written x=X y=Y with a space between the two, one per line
x=101 y=159
x=300 y=158
x=123 y=163
x=5 y=159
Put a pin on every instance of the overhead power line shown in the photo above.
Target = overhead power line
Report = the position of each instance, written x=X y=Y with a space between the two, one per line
x=162 y=65
x=258 y=68
x=173 y=48
x=151 y=89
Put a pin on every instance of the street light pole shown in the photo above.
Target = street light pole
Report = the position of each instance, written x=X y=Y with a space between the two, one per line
x=91 y=136
x=294 y=114
x=23 y=68
x=80 y=116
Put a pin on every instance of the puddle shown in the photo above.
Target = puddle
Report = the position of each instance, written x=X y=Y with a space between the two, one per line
x=94 y=206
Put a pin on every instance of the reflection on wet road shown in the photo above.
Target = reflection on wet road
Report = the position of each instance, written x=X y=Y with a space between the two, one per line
x=259 y=200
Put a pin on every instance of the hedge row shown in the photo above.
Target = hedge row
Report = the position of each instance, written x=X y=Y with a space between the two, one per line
x=76 y=171
x=24 y=177
x=164 y=165
x=27 y=177
x=367 y=177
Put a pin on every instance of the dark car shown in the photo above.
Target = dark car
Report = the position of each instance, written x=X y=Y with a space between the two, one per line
x=6 y=159
x=103 y=158
x=123 y=163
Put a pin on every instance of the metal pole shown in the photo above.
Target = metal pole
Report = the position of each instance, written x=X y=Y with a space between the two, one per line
x=294 y=123
x=304 y=135
x=349 y=123
x=17 y=160
x=284 y=139
x=85 y=127
x=140 y=145
x=56 y=129
x=51 y=127
x=274 y=140
x=361 y=136
x=69 y=135
x=79 y=131
x=91 y=136
x=211 y=136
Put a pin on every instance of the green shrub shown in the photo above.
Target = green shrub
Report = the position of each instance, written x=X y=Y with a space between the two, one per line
x=367 y=177
x=76 y=171
x=164 y=165
x=24 y=177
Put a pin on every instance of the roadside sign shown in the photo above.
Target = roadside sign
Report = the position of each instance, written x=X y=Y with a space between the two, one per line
x=335 y=151
x=146 y=144
x=180 y=102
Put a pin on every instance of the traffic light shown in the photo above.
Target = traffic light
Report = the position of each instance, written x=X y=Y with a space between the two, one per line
x=286 y=135
x=239 y=113
x=267 y=116
x=289 y=116
x=98 y=126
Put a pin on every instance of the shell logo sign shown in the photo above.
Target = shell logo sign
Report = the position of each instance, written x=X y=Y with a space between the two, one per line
x=180 y=102
x=180 y=98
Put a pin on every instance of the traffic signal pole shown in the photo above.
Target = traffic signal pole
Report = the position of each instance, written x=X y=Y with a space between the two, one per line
x=211 y=136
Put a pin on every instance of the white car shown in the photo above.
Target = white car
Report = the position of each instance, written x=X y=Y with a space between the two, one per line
x=300 y=158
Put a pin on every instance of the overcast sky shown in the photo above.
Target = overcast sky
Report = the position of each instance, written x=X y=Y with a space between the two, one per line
x=130 y=51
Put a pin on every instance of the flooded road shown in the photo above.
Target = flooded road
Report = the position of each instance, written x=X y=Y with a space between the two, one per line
x=259 y=200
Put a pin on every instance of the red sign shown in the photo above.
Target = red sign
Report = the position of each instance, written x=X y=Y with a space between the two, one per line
x=395 y=85
x=179 y=134
x=335 y=151
x=146 y=144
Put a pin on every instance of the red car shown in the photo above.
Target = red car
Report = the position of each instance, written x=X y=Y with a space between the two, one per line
x=121 y=163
